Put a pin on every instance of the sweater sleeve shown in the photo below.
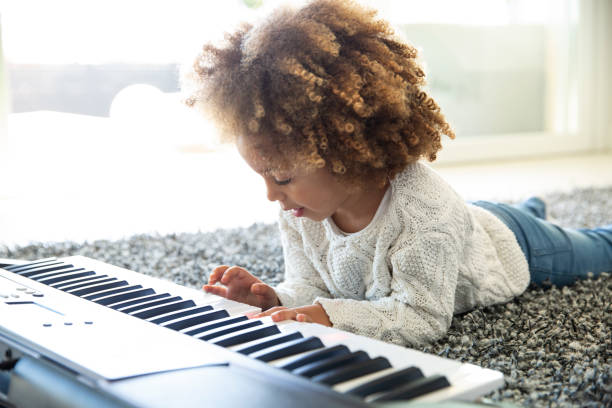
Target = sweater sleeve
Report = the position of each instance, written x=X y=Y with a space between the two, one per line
x=302 y=283
x=420 y=305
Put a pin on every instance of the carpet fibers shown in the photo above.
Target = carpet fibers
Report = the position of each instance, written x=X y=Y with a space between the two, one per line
x=554 y=345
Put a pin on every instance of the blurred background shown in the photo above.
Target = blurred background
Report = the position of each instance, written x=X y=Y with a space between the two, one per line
x=94 y=142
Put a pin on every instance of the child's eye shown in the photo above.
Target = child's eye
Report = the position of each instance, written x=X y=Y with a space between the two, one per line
x=282 y=182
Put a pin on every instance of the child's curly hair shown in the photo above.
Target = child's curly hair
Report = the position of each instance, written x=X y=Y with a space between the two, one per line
x=325 y=85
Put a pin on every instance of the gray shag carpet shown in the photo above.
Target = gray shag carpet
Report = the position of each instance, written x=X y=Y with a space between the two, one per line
x=554 y=345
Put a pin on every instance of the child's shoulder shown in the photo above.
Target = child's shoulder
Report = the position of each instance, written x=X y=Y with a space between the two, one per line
x=418 y=176
x=420 y=185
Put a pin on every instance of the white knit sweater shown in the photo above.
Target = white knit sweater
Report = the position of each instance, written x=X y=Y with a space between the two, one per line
x=425 y=256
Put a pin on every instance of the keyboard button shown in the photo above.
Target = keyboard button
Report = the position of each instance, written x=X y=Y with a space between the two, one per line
x=348 y=372
x=387 y=382
x=250 y=334
x=414 y=389
x=331 y=363
x=281 y=338
x=288 y=349
x=318 y=355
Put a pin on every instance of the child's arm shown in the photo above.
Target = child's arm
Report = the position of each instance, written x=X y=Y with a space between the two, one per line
x=302 y=283
x=307 y=314
x=420 y=306
x=239 y=285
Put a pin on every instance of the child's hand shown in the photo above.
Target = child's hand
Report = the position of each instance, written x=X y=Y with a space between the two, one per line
x=310 y=314
x=241 y=286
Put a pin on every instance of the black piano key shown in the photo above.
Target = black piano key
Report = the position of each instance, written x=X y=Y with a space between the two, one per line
x=114 y=291
x=267 y=343
x=247 y=335
x=88 y=283
x=146 y=305
x=414 y=389
x=350 y=371
x=47 y=275
x=331 y=363
x=138 y=301
x=32 y=264
x=216 y=323
x=184 y=313
x=97 y=288
x=288 y=349
x=33 y=272
x=169 y=307
x=387 y=382
x=4 y=262
x=65 y=277
x=337 y=350
x=108 y=300
x=195 y=320
x=232 y=328
x=71 y=282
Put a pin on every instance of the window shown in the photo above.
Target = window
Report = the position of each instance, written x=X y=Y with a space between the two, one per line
x=513 y=77
x=509 y=75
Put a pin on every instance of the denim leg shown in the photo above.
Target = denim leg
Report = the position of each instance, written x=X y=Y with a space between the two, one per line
x=535 y=206
x=555 y=254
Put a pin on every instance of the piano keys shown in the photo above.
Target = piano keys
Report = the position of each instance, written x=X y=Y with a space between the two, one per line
x=123 y=331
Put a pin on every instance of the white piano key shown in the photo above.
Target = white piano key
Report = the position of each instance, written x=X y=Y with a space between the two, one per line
x=282 y=361
x=187 y=310
x=67 y=271
x=82 y=279
x=276 y=339
x=350 y=384
x=170 y=306
x=212 y=314
x=212 y=322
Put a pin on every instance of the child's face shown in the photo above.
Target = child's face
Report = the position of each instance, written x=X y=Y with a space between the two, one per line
x=314 y=194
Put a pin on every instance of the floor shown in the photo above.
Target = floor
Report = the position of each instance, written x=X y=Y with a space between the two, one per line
x=88 y=181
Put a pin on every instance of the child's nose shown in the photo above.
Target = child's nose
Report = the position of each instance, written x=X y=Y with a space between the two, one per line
x=274 y=193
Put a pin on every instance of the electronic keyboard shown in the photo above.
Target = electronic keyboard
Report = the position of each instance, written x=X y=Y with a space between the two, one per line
x=76 y=332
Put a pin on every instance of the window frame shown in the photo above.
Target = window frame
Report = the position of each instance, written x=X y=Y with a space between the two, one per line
x=588 y=71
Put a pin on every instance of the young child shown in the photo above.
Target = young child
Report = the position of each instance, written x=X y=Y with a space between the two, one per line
x=326 y=104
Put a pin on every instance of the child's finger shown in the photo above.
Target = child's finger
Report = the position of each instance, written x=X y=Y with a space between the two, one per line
x=286 y=314
x=232 y=273
x=270 y=311
x=216 y=274
x=301 y=317
x=261 y=289
x=215 y=290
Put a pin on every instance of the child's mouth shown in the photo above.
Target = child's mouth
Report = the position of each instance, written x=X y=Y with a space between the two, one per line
x=298 y=212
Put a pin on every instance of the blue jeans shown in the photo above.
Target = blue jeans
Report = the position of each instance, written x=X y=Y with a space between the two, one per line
x=555 y=255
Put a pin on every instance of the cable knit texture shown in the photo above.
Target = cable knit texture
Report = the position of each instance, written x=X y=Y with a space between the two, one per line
x=425 y=256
